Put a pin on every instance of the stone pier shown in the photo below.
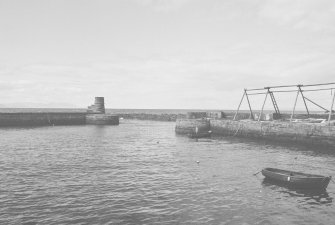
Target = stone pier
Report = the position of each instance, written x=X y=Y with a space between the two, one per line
x=96 y=114
x=315 y=134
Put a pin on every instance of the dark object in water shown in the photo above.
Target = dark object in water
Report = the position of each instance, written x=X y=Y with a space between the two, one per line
x=200 y=134
x=296 y=179
x=317 y=196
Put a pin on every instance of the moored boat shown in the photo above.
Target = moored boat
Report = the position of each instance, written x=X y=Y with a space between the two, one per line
x=296 y=179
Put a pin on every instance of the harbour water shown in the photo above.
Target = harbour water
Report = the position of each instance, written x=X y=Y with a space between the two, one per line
x=141 y=172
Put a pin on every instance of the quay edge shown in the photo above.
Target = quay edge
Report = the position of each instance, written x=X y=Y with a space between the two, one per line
x=41 y=119
x=95 y=115
x=187 y=126
x=313 y=134
x=102 y=119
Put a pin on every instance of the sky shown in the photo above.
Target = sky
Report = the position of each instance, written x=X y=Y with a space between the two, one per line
x=170 y=54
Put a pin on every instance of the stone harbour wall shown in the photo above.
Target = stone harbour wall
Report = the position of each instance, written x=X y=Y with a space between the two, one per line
x=41 y=119
x=102 y=119
x=187 y=126
x=302 y=133
x=155 y=117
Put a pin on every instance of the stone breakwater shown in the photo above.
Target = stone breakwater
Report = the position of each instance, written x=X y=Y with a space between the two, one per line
x=314 y=134
x=102 y=119
x=173 y=116
x=155 y=117
x=76 y=118
x=42 y=119
x=304 y=133
x=95 y=115
x=55 y=118
x=312 y=130
x=187 y=126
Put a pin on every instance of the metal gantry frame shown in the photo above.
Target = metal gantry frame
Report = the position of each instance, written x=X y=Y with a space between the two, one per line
x=274 y=89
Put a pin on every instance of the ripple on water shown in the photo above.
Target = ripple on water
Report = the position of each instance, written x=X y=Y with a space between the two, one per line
x=142 y=173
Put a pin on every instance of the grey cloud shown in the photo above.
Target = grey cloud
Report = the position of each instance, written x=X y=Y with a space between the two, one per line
x=301 y=14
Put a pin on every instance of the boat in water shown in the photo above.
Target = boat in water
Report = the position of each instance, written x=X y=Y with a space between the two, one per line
x=296 y=179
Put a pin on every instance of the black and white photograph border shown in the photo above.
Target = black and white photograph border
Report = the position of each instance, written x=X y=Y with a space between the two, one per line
x=167 y=112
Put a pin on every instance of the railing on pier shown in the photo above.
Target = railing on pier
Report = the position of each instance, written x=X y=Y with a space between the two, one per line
x=299 y=89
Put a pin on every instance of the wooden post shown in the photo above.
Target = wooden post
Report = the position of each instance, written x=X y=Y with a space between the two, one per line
x=251 y=113
x=239 y=105
x=331 y=110
x=295 y=103
x=303 y=97
x=260 y=114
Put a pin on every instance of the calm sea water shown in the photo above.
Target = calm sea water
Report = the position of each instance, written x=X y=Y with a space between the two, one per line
x=140 y=172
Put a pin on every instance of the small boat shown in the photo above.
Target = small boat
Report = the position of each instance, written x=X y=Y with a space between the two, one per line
x=296 y=179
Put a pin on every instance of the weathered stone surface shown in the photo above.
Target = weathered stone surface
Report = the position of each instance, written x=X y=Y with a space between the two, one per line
x=216 y=115
x=304 y=133
x=41 y=119
x=98 y=106
x=155 y=117
x=187 y=126
x=102 y=119
x=196 y=115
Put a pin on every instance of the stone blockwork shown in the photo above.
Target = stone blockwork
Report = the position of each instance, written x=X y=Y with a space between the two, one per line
x=187 y=126
x=98 y=106
x=196 y=115
x=155 y=117
x=102 y=119
x=302 y=133
x=96 y=114
x=41 y=119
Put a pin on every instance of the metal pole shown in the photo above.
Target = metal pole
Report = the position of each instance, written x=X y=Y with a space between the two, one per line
x=310 y=85
x=316 y=104
x=251 y=114
x=260 y=114
x=295 y=103
x=239 y=105
x=285 y=86
x=303 y=97
x=319 y=89
x=331 y=110
x=255 y=89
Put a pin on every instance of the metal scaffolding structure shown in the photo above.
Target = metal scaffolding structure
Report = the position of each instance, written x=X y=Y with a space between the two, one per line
x=299 y=89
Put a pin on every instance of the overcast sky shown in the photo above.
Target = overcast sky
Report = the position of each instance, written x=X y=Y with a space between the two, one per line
x=196 y=54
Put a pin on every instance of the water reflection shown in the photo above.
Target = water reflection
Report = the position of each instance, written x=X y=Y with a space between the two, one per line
x=309 y=150
x=191 y=139
x=308 y=196
x=142 y=173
